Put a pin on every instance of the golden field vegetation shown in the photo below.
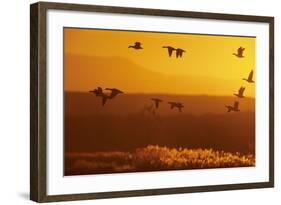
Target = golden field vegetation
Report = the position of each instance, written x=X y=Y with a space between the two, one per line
x=153 y=158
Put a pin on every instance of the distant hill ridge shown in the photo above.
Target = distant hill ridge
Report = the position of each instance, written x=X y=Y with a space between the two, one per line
x=99 y=71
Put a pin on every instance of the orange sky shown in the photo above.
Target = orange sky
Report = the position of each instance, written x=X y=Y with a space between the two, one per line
x=102 y=58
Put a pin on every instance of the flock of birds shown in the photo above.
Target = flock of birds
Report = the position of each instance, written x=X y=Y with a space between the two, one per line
x=179 y=51
x=240 y=94
x=99 y=92
x=106 y=96
x=113 y=92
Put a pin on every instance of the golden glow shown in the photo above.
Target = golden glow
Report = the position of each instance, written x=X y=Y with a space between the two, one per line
x=208 y=67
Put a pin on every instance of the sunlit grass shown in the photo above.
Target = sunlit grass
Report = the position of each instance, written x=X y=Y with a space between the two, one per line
x=164 y=157
x=153 y=158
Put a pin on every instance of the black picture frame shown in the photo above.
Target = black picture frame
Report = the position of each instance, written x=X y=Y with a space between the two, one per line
x=38 y=102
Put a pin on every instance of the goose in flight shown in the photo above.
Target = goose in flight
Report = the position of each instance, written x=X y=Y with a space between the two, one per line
x=239 y=53
x=114 y=92
x=136 y=46
x=170 y=50
x=179 y=52
x=250 y=77
x=240 y=92
x=99 y=93
x=156 y=101
x=234 y=108
x=177 y=105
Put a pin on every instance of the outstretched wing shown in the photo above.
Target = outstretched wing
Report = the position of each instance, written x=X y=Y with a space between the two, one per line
x=157 y=103
x=170 y=51
x=250 y=77
x=241 y=90
x=114 y=92
x=178 y=53
x=240 y=51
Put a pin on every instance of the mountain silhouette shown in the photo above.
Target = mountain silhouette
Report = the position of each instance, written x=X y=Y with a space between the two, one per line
x=98 y=71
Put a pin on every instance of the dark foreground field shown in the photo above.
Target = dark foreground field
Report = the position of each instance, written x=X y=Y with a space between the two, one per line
x=116 y=137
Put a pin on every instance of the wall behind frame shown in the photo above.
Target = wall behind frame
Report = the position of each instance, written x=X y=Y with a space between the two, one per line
x=14 y=103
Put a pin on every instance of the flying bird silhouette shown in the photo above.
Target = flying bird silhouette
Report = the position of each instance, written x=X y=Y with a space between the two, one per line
x=250 y=77
x=170 y=50
x=177 y=105
x=114 y=92
x=99 y=93
x=157 y=102
x=239 y=53
x=240 y=92
x=234 y=108
x=179 y=52
x=136 y=46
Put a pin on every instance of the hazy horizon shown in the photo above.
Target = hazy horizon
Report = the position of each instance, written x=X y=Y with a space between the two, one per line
x=87 y=103
x=143 y=93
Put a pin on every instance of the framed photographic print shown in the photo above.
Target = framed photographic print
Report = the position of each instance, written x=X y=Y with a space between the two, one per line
x=134 y=102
